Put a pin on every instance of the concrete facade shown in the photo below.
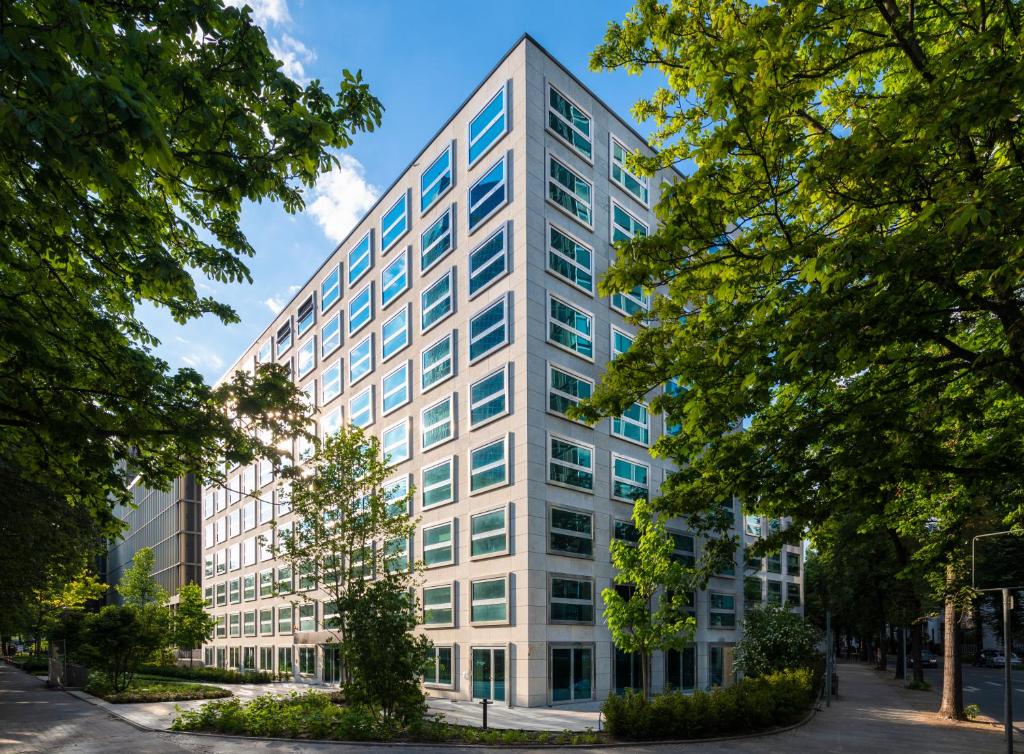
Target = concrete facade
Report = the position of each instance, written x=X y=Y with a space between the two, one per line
x=548 y=644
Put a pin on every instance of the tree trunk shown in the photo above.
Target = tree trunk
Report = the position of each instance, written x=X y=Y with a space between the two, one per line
x=952 y=706
x=645 y=673
x=901 y=650
x=915 y=652
x=883 y=659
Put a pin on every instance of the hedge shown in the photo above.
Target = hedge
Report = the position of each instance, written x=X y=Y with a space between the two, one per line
x=203 y=673
x=752 y=704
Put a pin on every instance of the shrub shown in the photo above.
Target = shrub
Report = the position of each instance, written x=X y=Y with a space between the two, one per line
x=775 y=639
x=971 y=711
x=215 y=675
x=33 y=663
x=142 y=690
x=752 y=704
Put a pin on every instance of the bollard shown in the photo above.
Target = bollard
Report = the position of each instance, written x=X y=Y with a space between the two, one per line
x=484 y=703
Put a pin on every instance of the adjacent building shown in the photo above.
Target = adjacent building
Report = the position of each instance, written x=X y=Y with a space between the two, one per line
x=459 y=321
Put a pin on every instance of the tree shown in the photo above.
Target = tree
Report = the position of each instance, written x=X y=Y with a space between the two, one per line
x=775 y=639
x=646 y=568
x=131 y=136
x=141 y=592
x=839 y=268
x=116 y=642
x=192 y=625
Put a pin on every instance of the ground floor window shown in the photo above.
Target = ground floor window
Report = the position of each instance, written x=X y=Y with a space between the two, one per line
x=792 y=595
x=572 y=673
x=438 y=669
x=627 y=671
x=235 y=657
x=220 y=657
x=332 y=663
x=267 y=659
x=249 y=658
x=284 y=660
x=681 y=669
x=720 y=665
x=208 y=656
x=489 y=674
x=307 y=660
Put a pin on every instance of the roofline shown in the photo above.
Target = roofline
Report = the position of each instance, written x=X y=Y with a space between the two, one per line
x=525 y=37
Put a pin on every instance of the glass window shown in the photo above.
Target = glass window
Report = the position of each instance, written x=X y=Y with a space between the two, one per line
x=331 y=423
x=285 y=581
x=572 y=600
x=570 y=192
x=284 y=619
x=330 y=335
x=267 y=621
x=775 y=563
x=360 y=408
x=395 y=333
x=439 y=483
x=360 y=360
x=396 y=494
x=437 y=423
x=305 y=317
x=681 y=669
x=330 y=288
x=570 y=259
x=488 y=398
x=222 y=594
x=488 y=126
x=630 y=479
x=774 y=593
x=438 y=545
x=623 y=227
x=267 y=583
x=572 y=673
x=637 y=186
x=792 y=595
x=234 y=627
x=266 y=352
x=249 y=587
x=722 y=610
x=331 y=382
x=307 y=660
x=570 y=328
x=683 y=549
x=360 y=258
x=793 y=563
x=572 y=532
x=488 y=533
x=488 y=466
x=488 y=194
x=634 y=425
x=566 y=389
x=436 y=302
x=395 y=442
x=751 y=591
x=626 y=531
x=437 y=240
x=438 y=606
x=489 y=601
x=488 y=262
x=307 y=357
x=394 y=223
x=235 y=591
x=395 y=389
x=488 y=330
x=436 y=362
x=621 y=341
x=284 y=337
x=570 y=463
x=396 y=555
x=360 y=309
x=570 y=123
x=436 y=179
x=307 y=616
x=394 y=279
x=437 y=671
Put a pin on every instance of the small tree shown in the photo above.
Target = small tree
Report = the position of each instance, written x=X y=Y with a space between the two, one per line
x=775 y=639
x=192 y=624
x=645 y=568
x=116 y=641
x=142 y=593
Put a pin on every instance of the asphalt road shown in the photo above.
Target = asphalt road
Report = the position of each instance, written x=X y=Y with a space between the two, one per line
x=984 y=687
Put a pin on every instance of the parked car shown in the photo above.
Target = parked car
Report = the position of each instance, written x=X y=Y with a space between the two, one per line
x=993 y=658
x=928 y=659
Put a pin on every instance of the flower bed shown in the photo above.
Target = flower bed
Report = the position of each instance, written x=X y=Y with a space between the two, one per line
x=147 y=690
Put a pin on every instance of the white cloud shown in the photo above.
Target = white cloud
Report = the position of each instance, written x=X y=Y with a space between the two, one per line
x=275 y=305
x=341 y=197
x=294 y=55
x=203 y=359
x=265 y=12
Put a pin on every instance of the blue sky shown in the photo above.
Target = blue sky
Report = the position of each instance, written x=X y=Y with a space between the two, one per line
x=421 y=60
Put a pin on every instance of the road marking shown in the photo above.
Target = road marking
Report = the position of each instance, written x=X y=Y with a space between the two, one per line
x=971 y=689
x=993 y=683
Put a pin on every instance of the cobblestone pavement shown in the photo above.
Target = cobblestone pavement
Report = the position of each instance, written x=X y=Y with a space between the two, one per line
x=873 y=715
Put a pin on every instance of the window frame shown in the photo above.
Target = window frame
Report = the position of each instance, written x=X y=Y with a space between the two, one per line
x=452 y=478
x=368 y=256
x=506 y=450
x=505 y=392
x=551 y=156
x=353 y=362
x=326 y=302
x=450 y=605
x=402 y=311
x=550 y=110
x=614 y=477
x=549 y=250
x=712 y=610
x=450 y=214
x=325 y=382
x=335 y=339
x=448 y=151
x=622 y=418
x=451 y=422
x=399 y=260
x=504 y=91
x=552 y=436
x=406 y=218
x=505 y=231
x=452 y=340
x=435 y=655
x=505 y=301
x=571 y=601
x=612 y=163
x=453 y=542
x=407 y=424
x=503 y=186
x=308 y=351
x=368 y=291
x=553 y=367
x=571 y=329
x=310 y=319
x=552 y=529
x=351 y=414
x=450 y=276
x=406 y=367
x=506 y=531
x=502 y=622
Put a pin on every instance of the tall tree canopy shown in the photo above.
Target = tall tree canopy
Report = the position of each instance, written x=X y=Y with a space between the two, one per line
x=131 y=133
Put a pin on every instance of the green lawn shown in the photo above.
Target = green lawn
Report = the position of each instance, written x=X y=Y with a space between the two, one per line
x=147 y=689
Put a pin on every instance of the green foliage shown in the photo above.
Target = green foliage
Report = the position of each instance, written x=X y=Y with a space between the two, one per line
x=115 y=641
x=220 y=675
x=775 y=639
x=142 y=690
x=753 y=704
x=132 y=134
x=192 y=625
x=141 y=592
x=34 y=664
x=971 y=711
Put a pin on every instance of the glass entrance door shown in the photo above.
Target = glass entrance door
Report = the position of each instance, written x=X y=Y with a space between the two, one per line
x=332 y=664
x=489 y=674
x=572 y=672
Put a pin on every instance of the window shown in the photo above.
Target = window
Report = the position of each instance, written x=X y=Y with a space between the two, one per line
x=395 y=442
x=571 y=532
x=360 y=408
x=394 y=223
x=792 y=595
x=488 y=398
x=396 y=495
x=570 y=260
x=394 y=279
x=488 y=262
x=267 y=583
x=437 y=240
x=566 y=389
x=488 y=466
x=439 y=483
x=489 y=601
x=570 y=463
x=307 y=660
x=774 y=592
x=285 y=581
x=234 y=591
x=331 y=423
x=222 y=594
x=266 y=352
x=436 y=362
x=572 y=600
x=683 y=549
x=396 y=555
x=436 y=302
x=570 y=123
x=284 y=660
x=249 y=623
x=309 y=400
x=437 y=423
x=635 y=185
x=330 y=336
x=681 y=669
x=751 y=591
x=395 y=389
x=621 y=341
x=360 y=309
x=331 y=382
x=634 y=425
x=222 y=631
x=723 y=610
x=488 y=534
x=360 y=258
x=630 y=479
x=284 y=337
x=438 y=606
x=570 y=328
x=267 y=655
x=284 y=619
x=793 y=563
x=307 y=616
x=360 y=360
x=305 y=317
x=623 y=227
x=234 y=627
x=437 y=671
x=436 y=179
x=488 y=194
x=438 y=544
x=249 y=587
x=626 y=531
x=330 y=288
x=488 y=330
x=570 y=192
x=572 y=673
x=775 y=563
x=394 y=335
x=488 y=126
x=307 y=357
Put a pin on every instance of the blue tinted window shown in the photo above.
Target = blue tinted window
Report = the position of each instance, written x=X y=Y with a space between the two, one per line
x=488 y=331
x=330 y=335
x=394 y=279
x=487 y=194
x=360 y=309
x=360 y=360
x=436 y=302
x=488 y=262
x=436 y=180
x=487 y=127
x=330 y=289
x=436 y=241
x=394 y=223
x=360 y=259
x=394 y=334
